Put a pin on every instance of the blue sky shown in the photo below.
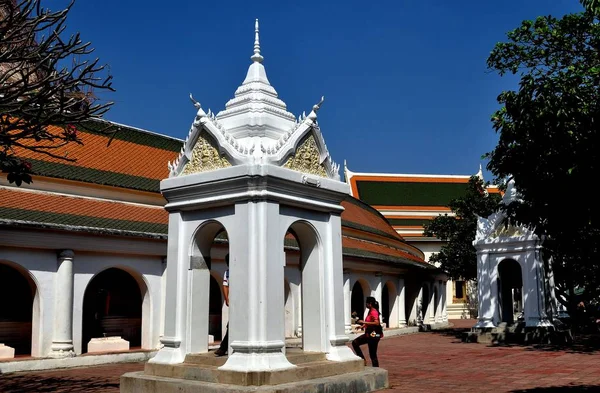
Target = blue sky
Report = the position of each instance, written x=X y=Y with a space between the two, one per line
x=405 y=82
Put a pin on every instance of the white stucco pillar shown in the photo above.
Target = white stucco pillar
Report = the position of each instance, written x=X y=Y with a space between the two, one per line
x=176 y=296
x=347 y=303
x=377 y=292
x=337 y=350
x=62 y=339
x=401 y=303
x=256 y=294
x=431 y=309
x=487 y=291
x=444 y=302
x=534 y=307
x=439 y=307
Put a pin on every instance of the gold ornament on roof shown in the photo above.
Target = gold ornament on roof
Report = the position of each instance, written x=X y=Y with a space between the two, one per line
x=205 y=156
x=509 y=230
x=307 y=159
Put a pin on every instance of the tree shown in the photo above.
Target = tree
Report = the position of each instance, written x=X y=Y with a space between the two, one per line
x=592 y=5
x=45 y=80
x=458 y=257
x=549 y=141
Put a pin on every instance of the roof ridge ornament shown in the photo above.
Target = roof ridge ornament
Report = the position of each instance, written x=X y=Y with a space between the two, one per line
x=256 y=57
x=313 y=114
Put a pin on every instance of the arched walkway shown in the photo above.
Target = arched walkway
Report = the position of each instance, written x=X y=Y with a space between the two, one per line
x=17 y=291
x=360 y=290
x=112 y=306
x=510 y=290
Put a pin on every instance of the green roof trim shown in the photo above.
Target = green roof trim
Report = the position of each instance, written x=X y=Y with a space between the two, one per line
x=40 y=217
x=408 y=221
x=96 y=176
x=133 y=135
x=409 y=194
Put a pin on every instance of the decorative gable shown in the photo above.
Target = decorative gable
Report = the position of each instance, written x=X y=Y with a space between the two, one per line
x=205 y=156
x=307 y=158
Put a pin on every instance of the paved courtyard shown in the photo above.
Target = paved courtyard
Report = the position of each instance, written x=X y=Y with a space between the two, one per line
x=424 y=362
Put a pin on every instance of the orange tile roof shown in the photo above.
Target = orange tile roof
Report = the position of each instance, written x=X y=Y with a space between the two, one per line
x=121 y=156
x=52 y=203
x=362 y=214
x=378 y=248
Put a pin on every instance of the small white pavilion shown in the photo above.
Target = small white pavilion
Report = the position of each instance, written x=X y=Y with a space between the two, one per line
x=255 y=172
x=512 y=279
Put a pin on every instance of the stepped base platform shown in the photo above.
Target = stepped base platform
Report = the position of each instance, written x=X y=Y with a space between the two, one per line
x=200 y=373
x=518 y=334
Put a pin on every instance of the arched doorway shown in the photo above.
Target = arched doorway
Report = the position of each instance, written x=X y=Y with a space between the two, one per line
x=304 y=235
x=16 y=313
x=112 y=306
x=215 y=309
x=510 y=290
x=360 y=289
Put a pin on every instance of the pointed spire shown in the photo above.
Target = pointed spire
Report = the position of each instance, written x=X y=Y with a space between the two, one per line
x=256 y=57
x=479 y=174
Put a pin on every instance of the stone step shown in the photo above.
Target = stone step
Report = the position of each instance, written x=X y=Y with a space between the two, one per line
x=210 y=373
x=367 y=380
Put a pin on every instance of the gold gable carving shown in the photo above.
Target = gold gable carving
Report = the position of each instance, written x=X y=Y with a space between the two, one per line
x=307 y=159
x=205 y=156
x=506 y=231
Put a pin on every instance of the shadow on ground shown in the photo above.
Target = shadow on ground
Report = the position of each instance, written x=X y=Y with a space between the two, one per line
x=28 y=383
x=558 y=389
x=582 y=343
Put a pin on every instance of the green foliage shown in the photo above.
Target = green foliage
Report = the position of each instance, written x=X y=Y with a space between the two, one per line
x=549 y=140
x=458 y=256
x=592 y=5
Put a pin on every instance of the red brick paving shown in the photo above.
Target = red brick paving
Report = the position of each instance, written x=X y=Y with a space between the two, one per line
x=424 y=362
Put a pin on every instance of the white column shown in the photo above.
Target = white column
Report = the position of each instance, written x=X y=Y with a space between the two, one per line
x=431 y=309
x=401 y=303
x=337 y=350
x=439 y=306
x=347 y=303
x=256 y=263
x=487 y=291
x=534 y=304
x=62 y=340
x=444 y=302
x=378 y=288
x=176 y=296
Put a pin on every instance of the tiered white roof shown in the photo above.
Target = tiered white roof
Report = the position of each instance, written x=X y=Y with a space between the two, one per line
x=255 y=128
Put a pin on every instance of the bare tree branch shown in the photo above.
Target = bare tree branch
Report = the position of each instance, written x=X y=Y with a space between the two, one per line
x=46 y=79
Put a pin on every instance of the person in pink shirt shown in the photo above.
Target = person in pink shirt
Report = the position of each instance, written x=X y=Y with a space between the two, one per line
x=373 y=332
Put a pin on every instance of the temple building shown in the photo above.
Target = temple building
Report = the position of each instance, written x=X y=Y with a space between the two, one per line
x=83 y=248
